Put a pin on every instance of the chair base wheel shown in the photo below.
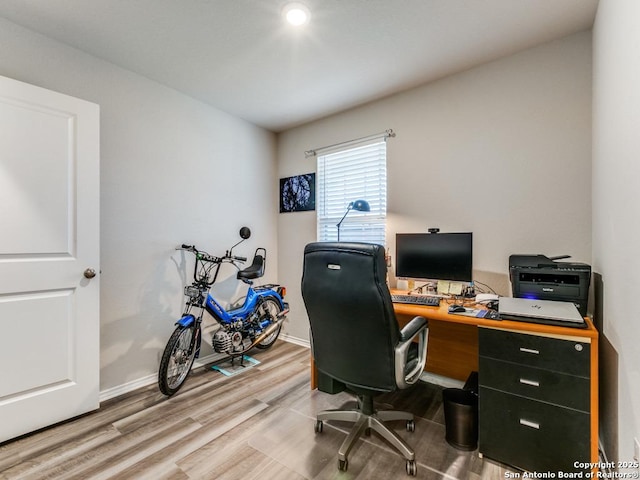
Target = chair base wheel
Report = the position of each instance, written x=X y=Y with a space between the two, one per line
x=411 y=426
x=412 y=469
x=318 y=426
x=342 y=465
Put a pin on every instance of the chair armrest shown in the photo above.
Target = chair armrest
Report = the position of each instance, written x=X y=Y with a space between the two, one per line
x=418 y=327
x=410 y=329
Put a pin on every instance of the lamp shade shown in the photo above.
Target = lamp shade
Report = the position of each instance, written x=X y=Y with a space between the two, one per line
x=361 y=206
x=358 y=205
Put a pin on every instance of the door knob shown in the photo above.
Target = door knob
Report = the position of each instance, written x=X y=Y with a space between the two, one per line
x=89 y=273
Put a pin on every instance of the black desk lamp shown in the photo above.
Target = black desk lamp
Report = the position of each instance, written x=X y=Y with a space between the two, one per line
x=359 y=205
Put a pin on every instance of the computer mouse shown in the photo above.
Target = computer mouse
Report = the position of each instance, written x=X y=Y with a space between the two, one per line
x=456 y=309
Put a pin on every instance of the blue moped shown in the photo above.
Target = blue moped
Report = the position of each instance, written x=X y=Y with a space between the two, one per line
x=256 y=323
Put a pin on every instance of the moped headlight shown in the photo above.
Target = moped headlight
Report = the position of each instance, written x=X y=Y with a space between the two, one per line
x=192 y=291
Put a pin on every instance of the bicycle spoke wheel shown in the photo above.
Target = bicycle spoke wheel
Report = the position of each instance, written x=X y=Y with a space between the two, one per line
x=177 y=359
x=268 y=309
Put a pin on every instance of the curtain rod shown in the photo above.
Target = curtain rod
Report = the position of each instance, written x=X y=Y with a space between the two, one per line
x=386 y=134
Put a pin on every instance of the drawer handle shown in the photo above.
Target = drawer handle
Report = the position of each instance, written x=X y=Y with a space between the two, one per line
x=532 y=383
x=530 y=350
x=527 y=423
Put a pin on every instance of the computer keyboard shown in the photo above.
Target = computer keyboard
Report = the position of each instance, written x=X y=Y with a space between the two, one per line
x=416 y=300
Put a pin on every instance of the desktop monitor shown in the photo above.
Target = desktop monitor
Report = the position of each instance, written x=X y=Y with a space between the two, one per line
x=434 y=256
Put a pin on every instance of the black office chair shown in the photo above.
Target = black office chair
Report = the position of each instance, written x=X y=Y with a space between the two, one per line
x=356 y=340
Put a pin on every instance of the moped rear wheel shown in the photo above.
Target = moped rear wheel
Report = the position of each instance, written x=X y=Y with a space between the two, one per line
x=269 y=308
x=177 y=359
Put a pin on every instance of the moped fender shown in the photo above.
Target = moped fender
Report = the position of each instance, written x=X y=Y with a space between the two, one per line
x=273 y=294
x=186 y=321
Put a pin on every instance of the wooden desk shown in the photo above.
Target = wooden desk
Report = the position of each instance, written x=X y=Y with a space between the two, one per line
x=453 y=347
x=453 y=339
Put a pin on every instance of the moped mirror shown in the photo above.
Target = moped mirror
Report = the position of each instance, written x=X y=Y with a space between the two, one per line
x=245 y=233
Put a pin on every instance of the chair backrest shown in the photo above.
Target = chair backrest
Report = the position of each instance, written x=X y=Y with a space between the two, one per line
x=353 y=326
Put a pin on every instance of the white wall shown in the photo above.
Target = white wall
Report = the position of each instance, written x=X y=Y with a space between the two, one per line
x=503 y=150
x=173 y=170
x=616 y=210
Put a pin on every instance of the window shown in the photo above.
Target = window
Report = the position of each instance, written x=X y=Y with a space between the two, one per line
x=346 y=176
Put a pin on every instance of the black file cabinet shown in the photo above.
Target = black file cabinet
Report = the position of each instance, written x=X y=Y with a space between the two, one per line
x=534 y=400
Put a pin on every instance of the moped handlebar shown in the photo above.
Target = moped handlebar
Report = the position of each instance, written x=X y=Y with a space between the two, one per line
x=210 y=258
x=202 y=270
x=204 y=256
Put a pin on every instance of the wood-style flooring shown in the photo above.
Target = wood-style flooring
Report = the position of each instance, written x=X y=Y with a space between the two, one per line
x=255 y=425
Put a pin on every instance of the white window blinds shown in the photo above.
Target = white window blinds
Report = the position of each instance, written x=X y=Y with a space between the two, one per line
x=357 y=173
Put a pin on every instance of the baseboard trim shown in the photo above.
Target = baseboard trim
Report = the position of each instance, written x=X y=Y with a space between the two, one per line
x=295 y=340
x=127 y=387
x=200 y=362
x=440 y=380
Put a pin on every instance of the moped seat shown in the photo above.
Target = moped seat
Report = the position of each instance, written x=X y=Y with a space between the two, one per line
x=256 y=269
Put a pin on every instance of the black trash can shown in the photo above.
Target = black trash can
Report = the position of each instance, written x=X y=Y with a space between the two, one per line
x=461 y=418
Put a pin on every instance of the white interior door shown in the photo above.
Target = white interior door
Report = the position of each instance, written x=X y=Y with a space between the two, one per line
x=49 y=234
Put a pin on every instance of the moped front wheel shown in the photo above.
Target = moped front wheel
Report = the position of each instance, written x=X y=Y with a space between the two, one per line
x=269 y=309
x=177 y=359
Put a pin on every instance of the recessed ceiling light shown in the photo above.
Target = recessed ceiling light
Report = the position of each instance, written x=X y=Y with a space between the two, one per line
x=296 y=14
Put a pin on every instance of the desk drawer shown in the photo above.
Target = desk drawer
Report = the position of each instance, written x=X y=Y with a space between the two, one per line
x=531 y=435
x=552 y=387
x=566 y=356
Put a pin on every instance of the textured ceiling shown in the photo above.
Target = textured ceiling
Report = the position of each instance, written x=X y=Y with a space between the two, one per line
x=239 y=56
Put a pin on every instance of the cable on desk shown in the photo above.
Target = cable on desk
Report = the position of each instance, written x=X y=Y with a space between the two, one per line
x=491 y=290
